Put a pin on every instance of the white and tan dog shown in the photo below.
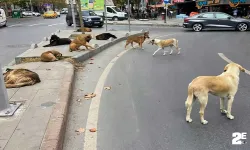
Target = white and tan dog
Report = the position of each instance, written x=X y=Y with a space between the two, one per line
x=165 y=43
x=224 y=86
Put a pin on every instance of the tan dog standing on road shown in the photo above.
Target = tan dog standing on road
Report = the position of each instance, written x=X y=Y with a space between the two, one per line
x=224 y=86
x=16 y=78
x=50 y=56
x=165 y=43
x=137 y=39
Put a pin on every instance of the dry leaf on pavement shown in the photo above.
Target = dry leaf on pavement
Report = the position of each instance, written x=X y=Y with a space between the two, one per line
x=80 y=130
x=79 y=100
x=91 y=63
x=89 y=96
x=91 y=58
x=107 y=88
x=92 y=130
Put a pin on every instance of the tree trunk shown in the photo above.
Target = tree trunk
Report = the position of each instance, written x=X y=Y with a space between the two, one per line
x=78 y=2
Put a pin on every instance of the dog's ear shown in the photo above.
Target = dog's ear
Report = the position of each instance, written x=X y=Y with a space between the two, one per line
x=241 y=68
x=226 y=67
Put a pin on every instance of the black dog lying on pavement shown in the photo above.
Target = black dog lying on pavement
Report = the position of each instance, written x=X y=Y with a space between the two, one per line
x=105 y=36
x=55 y=40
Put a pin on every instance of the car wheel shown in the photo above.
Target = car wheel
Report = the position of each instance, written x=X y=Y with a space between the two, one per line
x=242 y=27
x=115 y=18
x=5 y=24
x=197 y=27
x=100 y=26
x=68 y=23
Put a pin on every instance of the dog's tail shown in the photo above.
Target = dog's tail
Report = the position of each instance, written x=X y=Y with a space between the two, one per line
x=190 y=98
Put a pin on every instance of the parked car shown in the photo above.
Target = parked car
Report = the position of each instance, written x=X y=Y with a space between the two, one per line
x=27 y=13
x=215 y=20
x=3 y=18
x=64 y=11
x=90 y=19
x=50 y=14
x=37 y=14
x=58 y=13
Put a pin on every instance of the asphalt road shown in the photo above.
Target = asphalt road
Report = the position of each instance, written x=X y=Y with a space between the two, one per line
x=144 y=110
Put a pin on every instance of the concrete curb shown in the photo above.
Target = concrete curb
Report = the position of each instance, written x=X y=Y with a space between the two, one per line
x=89 y=54
x=54 y=136
x=152 y=25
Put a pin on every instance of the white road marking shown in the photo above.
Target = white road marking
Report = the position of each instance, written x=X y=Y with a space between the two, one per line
x=14 y=25
x=230 y=61
x=35 y=24
x=90 y=139
x=55 y=24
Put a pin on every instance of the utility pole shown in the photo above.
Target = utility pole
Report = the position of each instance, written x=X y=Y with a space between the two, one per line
x=80 y=14
x=129 y=17
x=105 y=14
x=31 y=6
x=6 y=109
x=73 y=13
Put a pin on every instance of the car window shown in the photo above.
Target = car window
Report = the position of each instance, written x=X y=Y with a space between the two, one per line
x=210 y=15
x=91 y=13
x=109 y=10
x=221 y=16
x=85 y=13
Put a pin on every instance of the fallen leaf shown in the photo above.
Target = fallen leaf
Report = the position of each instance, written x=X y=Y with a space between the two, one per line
x=79 y=100
x=80 y=130
x=91 y=58
x=48 y=69
x=92 y=130
x=107 y=88
x=91 y=63
x=99 y=67
x=89 y=96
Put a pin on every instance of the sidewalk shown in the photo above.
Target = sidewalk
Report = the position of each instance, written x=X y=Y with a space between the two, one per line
x=39 y=124
x=170 y=22
x=36 y=116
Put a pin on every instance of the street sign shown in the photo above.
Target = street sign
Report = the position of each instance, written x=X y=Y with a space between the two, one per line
x=166 y=1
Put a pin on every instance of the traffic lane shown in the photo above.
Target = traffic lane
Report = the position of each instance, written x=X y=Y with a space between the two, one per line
x=17 y=40
x=240 y=58
x=145 y=108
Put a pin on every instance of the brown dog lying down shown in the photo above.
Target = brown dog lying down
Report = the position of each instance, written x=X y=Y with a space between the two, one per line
x=84 y=29
x=137 y=39
x=80 y=40
x=50 y=56
x=224 y=86
x=16 y=78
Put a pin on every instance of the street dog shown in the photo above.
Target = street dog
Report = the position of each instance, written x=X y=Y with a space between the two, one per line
x=80 y=40
x=165 y=43
x=224 y=86
x=16 y=78
x=51 y=56
x=55 y=41
x=137 y=39
x=84 y=29
x=105 y=36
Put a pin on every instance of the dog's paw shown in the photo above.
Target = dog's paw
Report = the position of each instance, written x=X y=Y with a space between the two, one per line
x=231 y=117
x=223 y=111
x=189 y=120
x=204 y=121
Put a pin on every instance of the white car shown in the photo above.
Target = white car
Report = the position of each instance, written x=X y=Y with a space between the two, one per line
x=3 y=19
x=58 y=13
x=27 y=13
x=36 y=14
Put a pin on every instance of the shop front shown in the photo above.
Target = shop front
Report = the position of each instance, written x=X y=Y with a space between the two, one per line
x=226 y=6
x=185 y=6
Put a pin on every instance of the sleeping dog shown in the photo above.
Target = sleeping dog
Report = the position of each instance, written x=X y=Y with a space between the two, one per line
x=55 y=41
x=105 y=36
x=165 y=43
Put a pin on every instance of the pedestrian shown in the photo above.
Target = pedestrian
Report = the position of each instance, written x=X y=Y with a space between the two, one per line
x=235 y=12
